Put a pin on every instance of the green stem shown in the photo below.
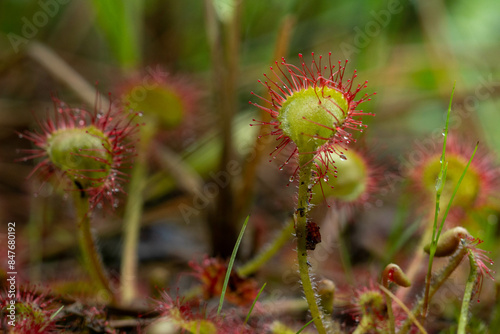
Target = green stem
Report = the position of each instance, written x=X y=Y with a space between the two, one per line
x=91 y=257
x=390 y=313
x=469 y=289
x=436 y=283
x=281 y=239
x=132 y=222
x=435 y=237
x=301 y=234
x=132 y=219
x=439 y=189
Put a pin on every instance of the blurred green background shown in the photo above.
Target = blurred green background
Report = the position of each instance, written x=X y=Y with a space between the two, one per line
x=410 y=52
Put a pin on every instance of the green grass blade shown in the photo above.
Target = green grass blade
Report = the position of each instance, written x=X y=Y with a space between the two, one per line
x=439 y=188
x=307 y=324
x=121 y=24
x=230 y=265
x=56 y=313
x=254 y=302
x=444 y=168
x=455 y=191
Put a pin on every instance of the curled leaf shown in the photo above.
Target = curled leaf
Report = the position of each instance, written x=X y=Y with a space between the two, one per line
x=449 y=242
x=393 y=273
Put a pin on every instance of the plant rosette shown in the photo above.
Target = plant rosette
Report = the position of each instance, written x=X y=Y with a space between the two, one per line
x=168 y=102
x=312 y=109
x=89 y=150
x=479 y=187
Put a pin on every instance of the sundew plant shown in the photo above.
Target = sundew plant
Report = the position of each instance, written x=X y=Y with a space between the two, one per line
x=228 y=166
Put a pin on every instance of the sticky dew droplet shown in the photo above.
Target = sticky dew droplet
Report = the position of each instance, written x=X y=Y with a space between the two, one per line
x=439 y=183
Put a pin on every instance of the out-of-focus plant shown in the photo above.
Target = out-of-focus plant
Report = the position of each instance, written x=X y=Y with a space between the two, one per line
x=90 y=152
